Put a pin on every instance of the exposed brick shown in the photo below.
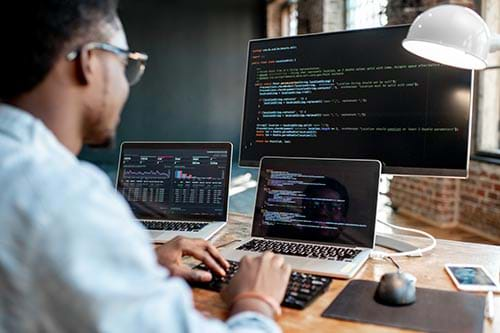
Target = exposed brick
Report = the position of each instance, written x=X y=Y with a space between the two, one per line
x=486 y=185
x=478 y=196
x=469 y=198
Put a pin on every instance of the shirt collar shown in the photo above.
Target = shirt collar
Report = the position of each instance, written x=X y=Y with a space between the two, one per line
x=25 y=128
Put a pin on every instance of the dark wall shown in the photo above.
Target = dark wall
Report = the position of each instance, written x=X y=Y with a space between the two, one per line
x=194 y=82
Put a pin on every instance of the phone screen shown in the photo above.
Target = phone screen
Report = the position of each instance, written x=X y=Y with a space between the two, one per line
x=471 y=276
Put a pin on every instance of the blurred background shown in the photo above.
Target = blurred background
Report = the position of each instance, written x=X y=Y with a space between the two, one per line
x=193 y=90
x=193 y=86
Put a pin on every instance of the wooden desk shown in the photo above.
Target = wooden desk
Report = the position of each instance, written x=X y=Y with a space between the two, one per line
x=429 y=271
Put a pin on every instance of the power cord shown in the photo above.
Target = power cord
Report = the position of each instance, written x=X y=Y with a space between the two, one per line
x=418 y=252
x=391 y=259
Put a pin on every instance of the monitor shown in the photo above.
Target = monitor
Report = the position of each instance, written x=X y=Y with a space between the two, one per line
x=187 y=181
x=356 y=94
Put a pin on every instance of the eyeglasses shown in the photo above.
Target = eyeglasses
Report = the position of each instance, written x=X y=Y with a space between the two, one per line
x=135 y=62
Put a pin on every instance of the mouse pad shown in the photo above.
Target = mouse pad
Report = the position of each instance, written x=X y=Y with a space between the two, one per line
x=433 y=311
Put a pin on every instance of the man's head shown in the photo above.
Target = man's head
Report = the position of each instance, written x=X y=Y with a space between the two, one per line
x=331 y=199
x=51 y=48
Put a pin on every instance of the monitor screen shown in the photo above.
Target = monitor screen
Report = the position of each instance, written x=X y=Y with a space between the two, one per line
x=317 y=200
x=356 y=94
x=175 y=181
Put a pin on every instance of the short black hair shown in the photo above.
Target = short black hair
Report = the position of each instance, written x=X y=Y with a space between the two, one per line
x=33 y=34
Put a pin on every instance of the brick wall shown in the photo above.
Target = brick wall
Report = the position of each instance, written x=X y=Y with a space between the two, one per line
x=433 y=200
x=473 y=203
x=479 y=205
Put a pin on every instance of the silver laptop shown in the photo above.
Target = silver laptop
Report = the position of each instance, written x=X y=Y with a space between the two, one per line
x=176 y=188
x=319 y=213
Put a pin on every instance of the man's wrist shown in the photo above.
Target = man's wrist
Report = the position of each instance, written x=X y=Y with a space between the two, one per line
x=252 y=304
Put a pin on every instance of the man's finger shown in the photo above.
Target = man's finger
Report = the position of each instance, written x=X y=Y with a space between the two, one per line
x=278 y=261
x=213 y=264
x=287 y=269
x=267 y=256
x=207 y=259
x=216 y=254
x=189 y=274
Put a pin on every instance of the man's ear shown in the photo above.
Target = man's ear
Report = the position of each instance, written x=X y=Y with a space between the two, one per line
x=86 y=66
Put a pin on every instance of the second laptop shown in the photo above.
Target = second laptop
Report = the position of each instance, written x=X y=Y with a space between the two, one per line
x=176 y=188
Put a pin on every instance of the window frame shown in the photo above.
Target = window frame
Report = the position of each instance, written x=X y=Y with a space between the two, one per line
x=477 y=153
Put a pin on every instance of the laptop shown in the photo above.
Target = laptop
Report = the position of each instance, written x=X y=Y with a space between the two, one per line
x=320 y=214
x=176 y=188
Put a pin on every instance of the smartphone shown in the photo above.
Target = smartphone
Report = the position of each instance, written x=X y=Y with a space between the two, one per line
x=472 y=278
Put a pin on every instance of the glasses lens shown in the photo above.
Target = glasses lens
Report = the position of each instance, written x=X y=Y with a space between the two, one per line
x=134 y=70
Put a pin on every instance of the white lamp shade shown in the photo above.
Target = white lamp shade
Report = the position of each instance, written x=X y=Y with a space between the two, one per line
x=452 y=35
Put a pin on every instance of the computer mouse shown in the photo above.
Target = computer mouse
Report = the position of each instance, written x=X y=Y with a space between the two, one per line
x=396 y=289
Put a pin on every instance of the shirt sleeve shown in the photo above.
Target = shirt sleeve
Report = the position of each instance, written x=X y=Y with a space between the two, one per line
x=96 y=271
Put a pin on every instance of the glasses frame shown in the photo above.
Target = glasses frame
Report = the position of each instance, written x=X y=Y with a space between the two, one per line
x=128 y=55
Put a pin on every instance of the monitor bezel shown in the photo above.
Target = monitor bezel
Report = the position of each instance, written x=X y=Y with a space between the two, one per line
x=386 y=170
x=225 y=145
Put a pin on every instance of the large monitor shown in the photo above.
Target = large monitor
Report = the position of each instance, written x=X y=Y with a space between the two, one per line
x=356 y=94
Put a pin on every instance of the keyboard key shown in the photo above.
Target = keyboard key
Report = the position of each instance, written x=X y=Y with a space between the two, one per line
x=173 y=225
x=300 y=249
x=302 y=288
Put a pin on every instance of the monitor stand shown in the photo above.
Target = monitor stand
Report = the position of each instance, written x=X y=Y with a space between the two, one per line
x=393 y=244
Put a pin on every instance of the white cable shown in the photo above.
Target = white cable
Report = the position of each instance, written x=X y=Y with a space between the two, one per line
x=417 y=252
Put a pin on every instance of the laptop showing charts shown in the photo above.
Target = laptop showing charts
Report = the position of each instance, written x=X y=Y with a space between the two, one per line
x=176 y=188
x=319 y=213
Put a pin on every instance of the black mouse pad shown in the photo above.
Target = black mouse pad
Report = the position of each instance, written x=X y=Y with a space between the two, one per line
x=434 y=310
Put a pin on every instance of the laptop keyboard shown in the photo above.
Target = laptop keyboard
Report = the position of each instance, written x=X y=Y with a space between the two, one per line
x=302 y=288
x=174 y=225
x=301 y=249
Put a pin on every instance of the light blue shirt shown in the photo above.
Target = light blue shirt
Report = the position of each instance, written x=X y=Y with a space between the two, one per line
x=72 y=257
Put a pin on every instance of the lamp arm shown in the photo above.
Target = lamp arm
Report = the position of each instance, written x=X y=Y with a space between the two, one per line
x=495 y=43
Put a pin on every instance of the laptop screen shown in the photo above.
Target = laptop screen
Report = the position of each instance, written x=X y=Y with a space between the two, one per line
x=175 y=181
x=318 y=200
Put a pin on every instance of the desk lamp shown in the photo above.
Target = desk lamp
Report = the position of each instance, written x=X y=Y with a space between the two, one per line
x=452 y=35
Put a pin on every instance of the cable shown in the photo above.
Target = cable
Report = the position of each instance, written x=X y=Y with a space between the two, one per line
x=417 y=252
x=228 y=243
x=391 y=259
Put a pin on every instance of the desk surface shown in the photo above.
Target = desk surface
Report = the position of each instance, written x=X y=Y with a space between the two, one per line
x=429 y=271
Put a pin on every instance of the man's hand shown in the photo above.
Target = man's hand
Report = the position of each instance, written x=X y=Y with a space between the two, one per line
x=267 y=275
x=170 y=256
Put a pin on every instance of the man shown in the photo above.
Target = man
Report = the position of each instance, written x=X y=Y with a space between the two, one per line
x=72 y=258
